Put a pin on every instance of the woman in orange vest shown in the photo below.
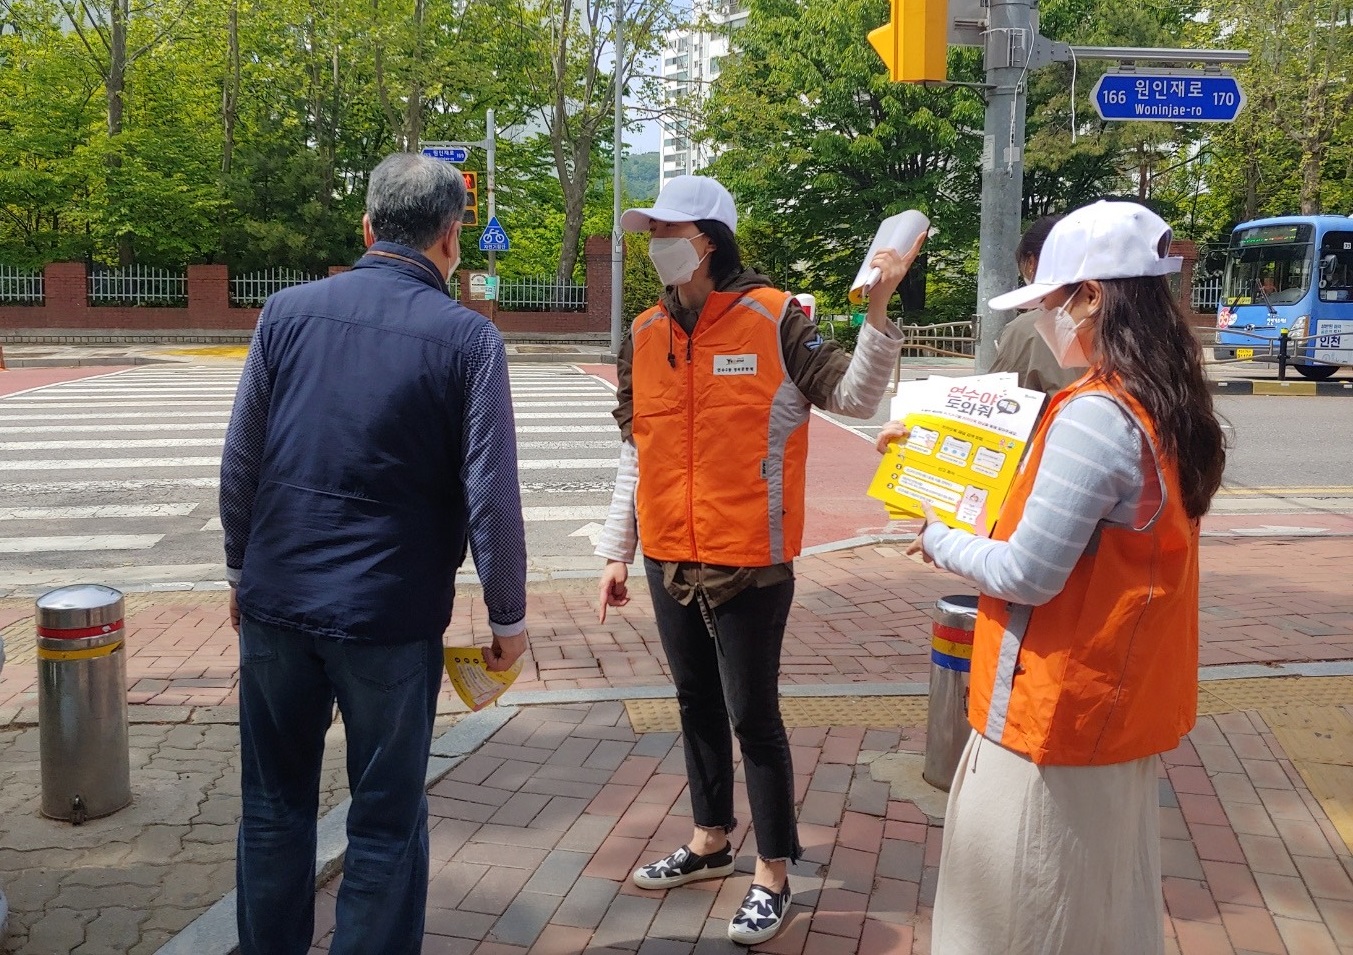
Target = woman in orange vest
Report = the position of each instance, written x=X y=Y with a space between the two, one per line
x=1085 y=656
x=716 y=383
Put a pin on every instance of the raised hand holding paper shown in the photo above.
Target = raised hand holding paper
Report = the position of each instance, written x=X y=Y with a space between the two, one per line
x=475 y=684
x=898 y=232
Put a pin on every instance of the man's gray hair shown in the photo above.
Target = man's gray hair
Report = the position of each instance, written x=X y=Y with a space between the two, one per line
x=413 y=200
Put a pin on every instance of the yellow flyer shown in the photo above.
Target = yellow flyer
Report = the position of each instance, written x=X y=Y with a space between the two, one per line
x=475 y=684
x=967 y=436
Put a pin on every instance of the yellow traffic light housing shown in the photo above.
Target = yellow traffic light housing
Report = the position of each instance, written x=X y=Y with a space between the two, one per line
x=471 y=198
x=915 y=45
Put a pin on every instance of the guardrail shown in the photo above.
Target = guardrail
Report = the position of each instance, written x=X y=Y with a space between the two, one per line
x=1279 y=351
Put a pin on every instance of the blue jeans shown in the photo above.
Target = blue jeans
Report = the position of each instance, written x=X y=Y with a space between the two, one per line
x=289 y=682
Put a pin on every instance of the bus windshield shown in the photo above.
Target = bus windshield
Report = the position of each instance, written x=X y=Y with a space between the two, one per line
x=1269 y=265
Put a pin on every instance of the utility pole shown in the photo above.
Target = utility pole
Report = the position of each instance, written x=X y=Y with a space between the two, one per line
x=1008 y=45
x=617 y=236
x=490 y=149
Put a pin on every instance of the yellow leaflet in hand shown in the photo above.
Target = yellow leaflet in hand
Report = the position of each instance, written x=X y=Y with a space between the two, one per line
x=962 y=470
x=475 y=684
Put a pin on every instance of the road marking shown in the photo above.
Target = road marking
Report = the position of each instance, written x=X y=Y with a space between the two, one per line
x=64 y=404
x=78 y=512
x=36 y=545
x=116 y=428
x=562 y=429
x=110 y=445
x=546 y=415
x=610 y=403
x=584 y=513
x=1332 y=490
x=81 y=464
x=105 y=487
x=566 y=464
x=591 y=530
x=112 y=415
x=213 y=525
x=559 y=445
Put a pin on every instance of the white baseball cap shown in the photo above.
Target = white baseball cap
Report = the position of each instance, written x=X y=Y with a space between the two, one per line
x=685 y=199
x=1104 y=240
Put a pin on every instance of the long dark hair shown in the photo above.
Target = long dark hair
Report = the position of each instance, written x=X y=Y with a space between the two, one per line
x=726 y=259
x=1145 y=343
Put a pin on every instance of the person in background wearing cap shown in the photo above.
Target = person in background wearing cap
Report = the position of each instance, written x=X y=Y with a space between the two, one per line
x=716 y=383
x=1085 y=656
x=1021 y=349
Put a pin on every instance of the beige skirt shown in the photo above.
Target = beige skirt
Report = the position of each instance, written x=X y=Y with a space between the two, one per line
x=1050 y=860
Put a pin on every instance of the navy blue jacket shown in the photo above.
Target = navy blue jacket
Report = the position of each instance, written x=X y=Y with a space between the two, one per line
x=372 y=437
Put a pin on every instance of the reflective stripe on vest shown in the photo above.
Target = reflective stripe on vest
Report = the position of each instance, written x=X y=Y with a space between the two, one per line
x=1107 y=670
x=722 y=437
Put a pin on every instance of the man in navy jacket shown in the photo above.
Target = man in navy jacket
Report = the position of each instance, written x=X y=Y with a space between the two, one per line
x=371 y=442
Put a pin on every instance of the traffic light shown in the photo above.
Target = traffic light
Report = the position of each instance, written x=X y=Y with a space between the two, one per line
x=471 y=198
x=915 y=45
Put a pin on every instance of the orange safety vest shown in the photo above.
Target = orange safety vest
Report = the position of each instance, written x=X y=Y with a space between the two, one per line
x=722 y=434
x=1107 y=670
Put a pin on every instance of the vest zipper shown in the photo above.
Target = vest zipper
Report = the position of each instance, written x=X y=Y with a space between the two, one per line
x=690 y=442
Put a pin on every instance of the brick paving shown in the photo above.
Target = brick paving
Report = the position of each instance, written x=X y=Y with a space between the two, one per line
x=1250 y=862
x=1254 y=816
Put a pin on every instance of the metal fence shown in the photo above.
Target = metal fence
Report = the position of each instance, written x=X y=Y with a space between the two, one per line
x=1206 y=292
x=541 y=295
x=951 y=339
x=137 y=285
x=253 y=289
x=20 y=286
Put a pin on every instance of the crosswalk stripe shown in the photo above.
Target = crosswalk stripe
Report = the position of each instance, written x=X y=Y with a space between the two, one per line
x=34 y=545
x=115 y=428
x=112 y=416
x=568 y=464
x=81 y=464
x=559 y=429
x=80 y=404
x=95 y=511
x=105 y=487
x=110 y=445
x=552 y=445
x=582 y=513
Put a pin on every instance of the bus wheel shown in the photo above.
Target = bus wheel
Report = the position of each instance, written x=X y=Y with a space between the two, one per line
x=1316 y=372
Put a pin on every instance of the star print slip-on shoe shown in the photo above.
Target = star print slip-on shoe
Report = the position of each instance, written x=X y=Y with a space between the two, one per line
x=684 y=866
x=761 y=915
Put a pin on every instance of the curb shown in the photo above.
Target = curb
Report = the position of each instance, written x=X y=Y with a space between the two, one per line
x=1304 y=389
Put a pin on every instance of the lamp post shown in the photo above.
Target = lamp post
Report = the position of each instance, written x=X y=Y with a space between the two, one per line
x=618 y=237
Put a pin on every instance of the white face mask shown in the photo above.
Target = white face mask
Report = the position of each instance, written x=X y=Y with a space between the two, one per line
x=674 y=259
x=1058 y=329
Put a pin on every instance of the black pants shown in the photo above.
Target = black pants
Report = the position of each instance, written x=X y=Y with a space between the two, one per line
x=726 y=666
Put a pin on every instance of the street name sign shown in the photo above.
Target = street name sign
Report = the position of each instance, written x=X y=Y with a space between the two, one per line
x=455 y=154
x=1178 y=96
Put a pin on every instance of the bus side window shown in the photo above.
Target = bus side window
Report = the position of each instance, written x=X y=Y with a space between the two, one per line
x=1336 y=267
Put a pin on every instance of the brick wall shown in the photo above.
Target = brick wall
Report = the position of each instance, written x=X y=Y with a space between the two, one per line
x=595 y=320
x=66 y=314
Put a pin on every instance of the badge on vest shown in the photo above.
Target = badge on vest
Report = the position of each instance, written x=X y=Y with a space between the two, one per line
x=735 y=364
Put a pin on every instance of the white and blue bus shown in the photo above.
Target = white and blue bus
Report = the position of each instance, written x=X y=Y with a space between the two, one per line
x=1292 y=273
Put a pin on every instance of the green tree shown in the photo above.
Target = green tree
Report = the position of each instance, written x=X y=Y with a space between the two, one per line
x=817 y=145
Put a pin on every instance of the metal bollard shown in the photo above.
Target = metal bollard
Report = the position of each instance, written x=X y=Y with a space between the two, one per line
x=950 y=658
x=82 y=703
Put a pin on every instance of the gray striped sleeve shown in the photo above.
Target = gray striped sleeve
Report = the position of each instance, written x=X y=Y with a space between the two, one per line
x=1097 y=466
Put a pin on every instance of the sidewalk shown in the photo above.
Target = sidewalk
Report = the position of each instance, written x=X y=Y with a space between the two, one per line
x=582 y=776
